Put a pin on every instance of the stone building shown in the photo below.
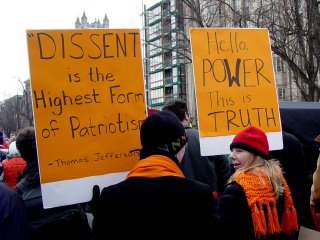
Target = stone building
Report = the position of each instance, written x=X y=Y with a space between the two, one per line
x=96 y=24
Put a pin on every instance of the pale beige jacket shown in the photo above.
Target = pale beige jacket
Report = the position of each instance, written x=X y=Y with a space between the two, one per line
x=315 y=188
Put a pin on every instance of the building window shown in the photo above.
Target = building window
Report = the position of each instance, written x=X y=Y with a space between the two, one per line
x=154 y=14
x=277 y=61
x=154 y=31
x=281 y=92
x=236 y=5
x=155 y=63
x=158 y=93
x=157 y=101
x=155 y=47
x=156 y=80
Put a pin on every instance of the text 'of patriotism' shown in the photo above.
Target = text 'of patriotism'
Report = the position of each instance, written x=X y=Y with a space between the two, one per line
x=105 y=88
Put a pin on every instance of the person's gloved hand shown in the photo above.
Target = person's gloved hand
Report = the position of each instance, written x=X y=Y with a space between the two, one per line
x=93 y=204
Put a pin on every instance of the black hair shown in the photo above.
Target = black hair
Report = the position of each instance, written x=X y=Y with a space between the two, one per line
x=178 y=107
x=26 y=144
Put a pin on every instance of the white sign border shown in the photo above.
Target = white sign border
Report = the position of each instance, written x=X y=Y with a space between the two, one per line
x=221 y=144
x=61 y=193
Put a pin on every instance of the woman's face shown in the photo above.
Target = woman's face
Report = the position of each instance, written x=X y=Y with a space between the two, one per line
x=239 y=157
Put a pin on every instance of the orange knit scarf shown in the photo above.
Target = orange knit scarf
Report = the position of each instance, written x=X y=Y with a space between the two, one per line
x=259 y=193
x=155 y=166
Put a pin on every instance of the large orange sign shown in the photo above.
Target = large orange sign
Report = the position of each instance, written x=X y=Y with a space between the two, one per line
x=88 y=100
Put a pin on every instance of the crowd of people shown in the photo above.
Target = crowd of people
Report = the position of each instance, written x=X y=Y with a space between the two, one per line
x=172 y=192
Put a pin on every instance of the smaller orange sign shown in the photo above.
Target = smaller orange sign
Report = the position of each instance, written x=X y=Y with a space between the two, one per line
x=234 y=81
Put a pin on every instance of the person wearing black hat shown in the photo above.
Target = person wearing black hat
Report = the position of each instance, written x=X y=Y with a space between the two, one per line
x=212 y=170
x=156 y=200
x=65 y=222
x=257 y=202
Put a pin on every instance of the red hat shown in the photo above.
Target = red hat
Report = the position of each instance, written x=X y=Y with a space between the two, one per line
x=252 y=139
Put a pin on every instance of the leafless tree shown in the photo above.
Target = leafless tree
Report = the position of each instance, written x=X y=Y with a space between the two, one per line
x=9 y=116
x=16 y=111
x=26 y=110
x=294 y=29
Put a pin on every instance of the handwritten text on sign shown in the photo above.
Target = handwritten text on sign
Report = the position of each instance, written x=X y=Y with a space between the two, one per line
x=234 y=80
x=88 y=100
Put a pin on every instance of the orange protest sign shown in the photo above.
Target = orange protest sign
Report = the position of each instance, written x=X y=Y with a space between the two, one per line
x=234 y=81
x=88 y=100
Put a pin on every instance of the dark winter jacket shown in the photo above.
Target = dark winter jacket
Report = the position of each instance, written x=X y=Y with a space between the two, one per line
x=235 y=217
x=212 y=170
x=13 y=219
x=293 y=162
x=63 y=223
x=164 y=207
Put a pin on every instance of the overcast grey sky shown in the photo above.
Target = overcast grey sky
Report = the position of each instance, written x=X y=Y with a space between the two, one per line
x=18 y=16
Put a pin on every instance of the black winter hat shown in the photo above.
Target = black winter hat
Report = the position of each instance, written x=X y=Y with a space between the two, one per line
x=163 y=130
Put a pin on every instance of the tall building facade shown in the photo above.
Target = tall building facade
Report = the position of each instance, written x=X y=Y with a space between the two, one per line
x=164 y=63
x=83 y=23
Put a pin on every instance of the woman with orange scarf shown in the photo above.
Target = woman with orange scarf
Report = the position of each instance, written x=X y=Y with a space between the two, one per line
x=257 y=202
x=156 y=201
